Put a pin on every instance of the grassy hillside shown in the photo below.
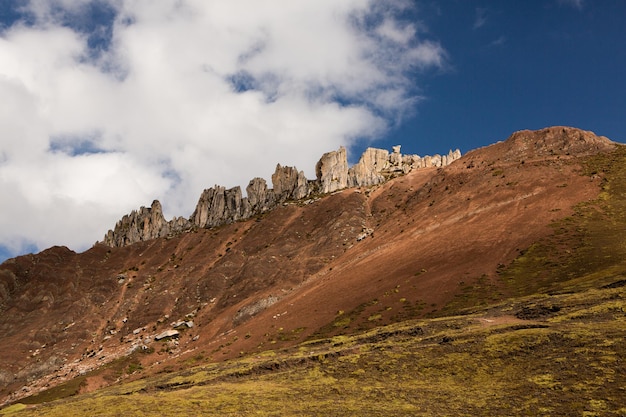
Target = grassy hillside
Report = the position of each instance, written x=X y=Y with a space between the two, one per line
x=586 y=250
x=545 y=355
x=554 y=345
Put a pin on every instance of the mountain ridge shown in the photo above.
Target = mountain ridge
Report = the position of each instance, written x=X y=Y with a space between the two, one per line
x=351 y=261
x=218 y=206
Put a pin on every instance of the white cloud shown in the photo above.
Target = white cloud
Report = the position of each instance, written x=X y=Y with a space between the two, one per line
x=187 y=94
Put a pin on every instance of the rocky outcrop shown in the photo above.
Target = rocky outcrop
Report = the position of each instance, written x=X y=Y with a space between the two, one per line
x=144 y=224
x=218 y=205
x=289 y=184
x=369 y=170
x=332 y=171
x=260 y=198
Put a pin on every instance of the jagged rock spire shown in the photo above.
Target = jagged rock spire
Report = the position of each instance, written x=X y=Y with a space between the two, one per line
x=332 y=171
x=144 y=224
x=218 y=205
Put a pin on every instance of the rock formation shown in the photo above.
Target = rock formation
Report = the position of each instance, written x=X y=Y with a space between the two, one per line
x=144 y=224
x=332 y=171
x=368 y=171
x=289 y=183
x=260 y=198
x=218 y=205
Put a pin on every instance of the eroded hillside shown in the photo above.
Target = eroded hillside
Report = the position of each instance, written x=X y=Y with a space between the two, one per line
x=420 y=245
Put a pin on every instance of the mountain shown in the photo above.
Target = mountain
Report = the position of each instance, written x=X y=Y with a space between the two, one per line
x=536 y=215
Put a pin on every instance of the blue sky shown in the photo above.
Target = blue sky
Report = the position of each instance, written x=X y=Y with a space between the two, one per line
x=109 y=104
x=517 y=65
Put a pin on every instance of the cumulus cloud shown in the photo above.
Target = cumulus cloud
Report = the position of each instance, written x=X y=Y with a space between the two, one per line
x=108 y=104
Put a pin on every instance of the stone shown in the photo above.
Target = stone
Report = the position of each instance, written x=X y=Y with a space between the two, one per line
x=260 y=198
x=395 y=158
x=218 y=205
x=289 y=184
x=365 y=233
x=143 y=224
x=332 y=171
x=210 y=208
x=368 y=171
x=166 y=334
x=182 y=325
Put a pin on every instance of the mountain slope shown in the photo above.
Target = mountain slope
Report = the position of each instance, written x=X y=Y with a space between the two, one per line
x=426 y=244
x=557 y=355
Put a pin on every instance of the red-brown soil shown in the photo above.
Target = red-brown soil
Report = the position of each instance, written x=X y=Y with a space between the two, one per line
x=294 y=273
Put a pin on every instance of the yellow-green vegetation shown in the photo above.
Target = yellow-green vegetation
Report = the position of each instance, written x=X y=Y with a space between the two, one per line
x=12 y=409
x=560 y=354
x=67 y=389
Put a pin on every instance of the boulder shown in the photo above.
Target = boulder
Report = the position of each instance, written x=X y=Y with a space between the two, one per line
x=166 y=334
x=180 y=325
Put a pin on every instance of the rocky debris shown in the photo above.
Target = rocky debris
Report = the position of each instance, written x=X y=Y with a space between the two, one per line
x=254 y=308
x=181 y=325
x=365 y=233
x=218 y=205
x=166 y=334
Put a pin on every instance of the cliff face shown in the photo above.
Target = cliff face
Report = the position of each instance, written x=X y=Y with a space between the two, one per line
x=218 y=205
x=332 y=171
